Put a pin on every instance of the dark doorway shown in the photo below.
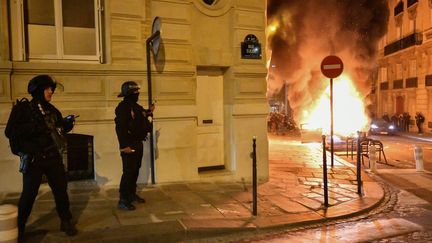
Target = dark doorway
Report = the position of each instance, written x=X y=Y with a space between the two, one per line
x=399 y=105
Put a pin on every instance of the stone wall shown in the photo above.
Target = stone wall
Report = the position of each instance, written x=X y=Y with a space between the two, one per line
x=194 y=37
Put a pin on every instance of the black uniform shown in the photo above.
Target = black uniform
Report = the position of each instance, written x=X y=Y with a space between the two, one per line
x=419 y=122
x=132 y=126
x=37 y=130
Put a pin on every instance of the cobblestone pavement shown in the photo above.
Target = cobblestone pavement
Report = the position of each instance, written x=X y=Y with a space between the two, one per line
x=405 y=215
x=195 y=211
x=398 y=207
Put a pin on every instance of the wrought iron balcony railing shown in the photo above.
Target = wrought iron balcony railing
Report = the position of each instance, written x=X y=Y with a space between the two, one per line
x=408 y=41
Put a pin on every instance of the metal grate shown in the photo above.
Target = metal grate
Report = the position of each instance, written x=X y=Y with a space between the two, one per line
x=79 y=159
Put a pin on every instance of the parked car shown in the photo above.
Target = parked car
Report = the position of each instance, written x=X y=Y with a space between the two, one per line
x=380 y=126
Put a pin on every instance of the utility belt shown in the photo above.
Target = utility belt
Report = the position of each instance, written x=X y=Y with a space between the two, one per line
x=27 y=159
x=47 y=153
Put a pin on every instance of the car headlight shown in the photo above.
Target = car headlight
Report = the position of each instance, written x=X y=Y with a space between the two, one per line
x=391 y=127
x=374 y=126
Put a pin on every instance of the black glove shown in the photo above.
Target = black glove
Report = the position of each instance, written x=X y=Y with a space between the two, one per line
x=68 y=122
x=70 y=118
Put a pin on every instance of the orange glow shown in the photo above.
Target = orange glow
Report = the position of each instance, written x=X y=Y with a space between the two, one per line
x=348 y=109
x=272 y=27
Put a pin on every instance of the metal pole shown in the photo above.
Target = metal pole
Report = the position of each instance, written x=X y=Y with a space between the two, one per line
x=150 y=103
x=326 y=204
x=359 y=182
x=418 y=156
x=254 y=177
x=347 y=146
x=372 y=158
x=331 y=122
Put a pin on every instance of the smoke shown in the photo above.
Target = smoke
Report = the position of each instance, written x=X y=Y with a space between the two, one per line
x=302 y=32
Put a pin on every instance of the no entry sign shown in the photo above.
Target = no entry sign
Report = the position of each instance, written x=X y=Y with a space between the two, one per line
x=331 y=66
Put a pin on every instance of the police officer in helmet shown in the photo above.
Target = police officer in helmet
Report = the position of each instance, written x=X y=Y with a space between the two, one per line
x=132 y=125
x=40 y=129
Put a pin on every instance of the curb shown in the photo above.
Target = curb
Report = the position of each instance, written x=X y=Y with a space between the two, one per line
x=374 y=195
x=192 y=229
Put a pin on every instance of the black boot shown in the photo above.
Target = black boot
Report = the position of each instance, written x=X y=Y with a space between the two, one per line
x=125 y=205
x=67 y=227
x=138 y=199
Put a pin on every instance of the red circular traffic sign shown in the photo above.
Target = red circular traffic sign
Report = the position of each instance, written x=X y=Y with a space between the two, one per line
x=331 y=66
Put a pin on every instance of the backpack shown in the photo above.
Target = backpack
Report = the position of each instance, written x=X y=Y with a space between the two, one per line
x=14 y=140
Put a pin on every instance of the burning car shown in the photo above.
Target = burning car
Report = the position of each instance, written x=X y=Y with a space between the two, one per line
x=310 y=134
x=380 y=126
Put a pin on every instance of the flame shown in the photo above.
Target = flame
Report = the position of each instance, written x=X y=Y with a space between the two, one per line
x=273 y=27
x=348 y=109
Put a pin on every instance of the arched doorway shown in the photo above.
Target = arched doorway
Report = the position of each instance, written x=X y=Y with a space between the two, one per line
x=399 y=105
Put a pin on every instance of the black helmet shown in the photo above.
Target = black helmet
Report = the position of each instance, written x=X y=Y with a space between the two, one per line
x=41 y=82
x=127 y=88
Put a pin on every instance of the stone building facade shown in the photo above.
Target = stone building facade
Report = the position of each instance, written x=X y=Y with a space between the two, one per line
x=210 y=101
x=404 y=76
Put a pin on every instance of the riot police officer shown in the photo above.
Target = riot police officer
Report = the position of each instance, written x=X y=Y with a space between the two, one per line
x=132 y=125
x=40 y=129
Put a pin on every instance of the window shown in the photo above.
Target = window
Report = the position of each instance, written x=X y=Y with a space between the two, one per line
x=62 y=30
x=383 y=74
x=399 y=71
x=413 y=68
x=383 y=42
x=430 y=16
x=429 y=64
x=398 y=32
x=412 y=25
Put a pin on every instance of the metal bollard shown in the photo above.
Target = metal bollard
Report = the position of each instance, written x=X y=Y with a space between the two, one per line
x=8 y=223
x=254 y=178
x=418 y=155
x=359 y=151
x=372 y=158
x=325 y=181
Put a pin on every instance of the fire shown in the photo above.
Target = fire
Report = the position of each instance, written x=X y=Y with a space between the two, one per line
x=272 y=27
x=348 y=109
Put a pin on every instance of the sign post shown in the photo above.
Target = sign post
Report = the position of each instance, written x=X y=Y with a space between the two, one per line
x=331 y=67
x=152 y=43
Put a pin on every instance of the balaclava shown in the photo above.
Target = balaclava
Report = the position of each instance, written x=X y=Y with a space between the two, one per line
x=132 y=97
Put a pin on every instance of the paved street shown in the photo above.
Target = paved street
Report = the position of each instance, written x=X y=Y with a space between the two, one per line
x=404 y=216
x=186 y=211
x=400 y=150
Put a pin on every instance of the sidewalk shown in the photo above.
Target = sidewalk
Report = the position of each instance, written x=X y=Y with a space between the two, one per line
x=293 y=196
x=427 y=137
